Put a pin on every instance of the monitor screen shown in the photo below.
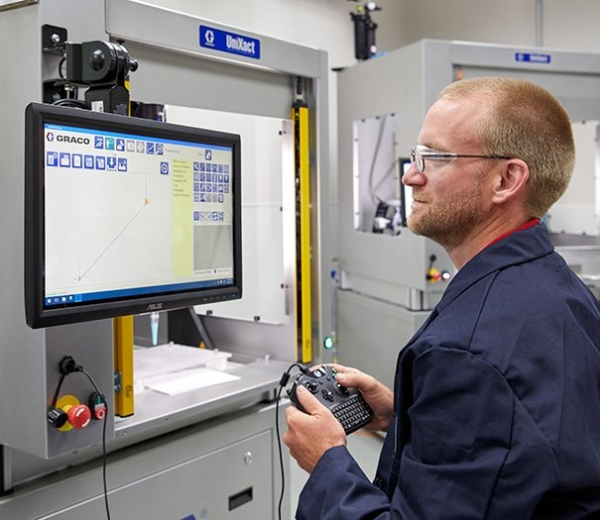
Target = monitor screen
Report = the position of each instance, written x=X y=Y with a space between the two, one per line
x=127 y=216
x=405 y=191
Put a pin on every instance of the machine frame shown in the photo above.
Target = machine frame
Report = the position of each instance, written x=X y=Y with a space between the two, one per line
x=174 y=69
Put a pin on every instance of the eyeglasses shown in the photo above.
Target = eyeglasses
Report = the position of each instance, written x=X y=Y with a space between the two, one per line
x=419 y=153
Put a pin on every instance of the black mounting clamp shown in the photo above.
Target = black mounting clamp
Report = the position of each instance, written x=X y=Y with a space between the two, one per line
x=104 y=67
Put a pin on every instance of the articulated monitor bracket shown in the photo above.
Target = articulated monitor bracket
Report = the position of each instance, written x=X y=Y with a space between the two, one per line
x=101 y=66
x=104 y=66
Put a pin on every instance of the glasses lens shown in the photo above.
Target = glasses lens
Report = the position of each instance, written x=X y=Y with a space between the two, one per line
x=420 y=162
x=417 y=159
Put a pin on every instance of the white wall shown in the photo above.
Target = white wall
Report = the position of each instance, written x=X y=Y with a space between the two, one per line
x=572 y=24
x=569 y=24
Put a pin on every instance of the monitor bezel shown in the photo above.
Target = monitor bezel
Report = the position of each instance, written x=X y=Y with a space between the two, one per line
x=36 y=316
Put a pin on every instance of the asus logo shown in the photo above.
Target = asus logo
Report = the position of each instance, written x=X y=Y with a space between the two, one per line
x=154 y=307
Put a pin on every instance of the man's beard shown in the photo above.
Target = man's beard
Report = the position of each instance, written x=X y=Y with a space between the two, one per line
x=449 y=221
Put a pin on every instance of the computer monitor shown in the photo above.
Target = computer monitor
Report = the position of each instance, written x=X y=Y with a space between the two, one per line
x=405 y=191
x=127 y=216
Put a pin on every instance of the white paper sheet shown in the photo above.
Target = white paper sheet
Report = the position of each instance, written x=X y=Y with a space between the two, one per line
x=187 y=380
x=173 y=369
x=162 y=359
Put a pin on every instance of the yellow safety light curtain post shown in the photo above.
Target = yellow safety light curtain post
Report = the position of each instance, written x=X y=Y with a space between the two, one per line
x=123 y=358
x=300 y=117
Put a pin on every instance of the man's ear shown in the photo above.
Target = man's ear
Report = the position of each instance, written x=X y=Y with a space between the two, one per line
x=511 y=181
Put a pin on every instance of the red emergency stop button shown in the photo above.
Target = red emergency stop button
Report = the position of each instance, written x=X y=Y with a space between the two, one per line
x=79 y=415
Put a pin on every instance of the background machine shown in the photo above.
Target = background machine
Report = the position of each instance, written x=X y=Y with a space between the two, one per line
x=207 y=452
x=389 y=279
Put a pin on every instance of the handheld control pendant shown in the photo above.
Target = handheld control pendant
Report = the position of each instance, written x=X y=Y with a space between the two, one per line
x=346 y=404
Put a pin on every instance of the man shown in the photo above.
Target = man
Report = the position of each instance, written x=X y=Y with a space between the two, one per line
x=495 y=412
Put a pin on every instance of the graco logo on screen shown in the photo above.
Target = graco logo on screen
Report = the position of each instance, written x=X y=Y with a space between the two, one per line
x=60 y=138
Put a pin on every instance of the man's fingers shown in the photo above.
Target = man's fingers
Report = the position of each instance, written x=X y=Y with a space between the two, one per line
x=310 y=403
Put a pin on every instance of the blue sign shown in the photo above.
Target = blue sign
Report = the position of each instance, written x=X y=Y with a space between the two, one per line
x=229 y=42
x=529 y=57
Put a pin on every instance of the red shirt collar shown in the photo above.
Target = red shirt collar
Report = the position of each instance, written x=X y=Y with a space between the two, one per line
x=527 y=225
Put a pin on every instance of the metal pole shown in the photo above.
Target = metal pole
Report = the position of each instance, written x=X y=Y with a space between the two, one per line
x=539 y=23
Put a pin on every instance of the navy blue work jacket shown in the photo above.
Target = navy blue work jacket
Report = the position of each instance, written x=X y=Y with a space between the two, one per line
x=497 y=403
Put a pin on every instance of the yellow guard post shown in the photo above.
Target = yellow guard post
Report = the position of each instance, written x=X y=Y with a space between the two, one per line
x=123 y=358
x=300 y=117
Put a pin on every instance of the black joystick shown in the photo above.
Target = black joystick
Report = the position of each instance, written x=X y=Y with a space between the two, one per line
x=346 y=404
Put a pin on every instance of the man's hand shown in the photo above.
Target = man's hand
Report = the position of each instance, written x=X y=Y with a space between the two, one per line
x=379 y=397
x=309 y=436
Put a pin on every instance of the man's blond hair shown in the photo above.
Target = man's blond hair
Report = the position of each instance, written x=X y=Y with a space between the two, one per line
x=522 y=120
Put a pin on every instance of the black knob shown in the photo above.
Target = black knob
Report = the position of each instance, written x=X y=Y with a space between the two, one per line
x=97 y=60
x=312 y=386
x=57 y=418
x=342 y=389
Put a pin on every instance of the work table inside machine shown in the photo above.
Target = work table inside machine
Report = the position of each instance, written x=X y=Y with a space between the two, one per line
x=193 y=386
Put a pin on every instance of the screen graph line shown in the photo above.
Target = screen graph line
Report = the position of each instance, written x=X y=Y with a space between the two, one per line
x=118 y=235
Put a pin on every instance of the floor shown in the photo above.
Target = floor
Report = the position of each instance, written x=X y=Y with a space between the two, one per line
x=365 y=448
